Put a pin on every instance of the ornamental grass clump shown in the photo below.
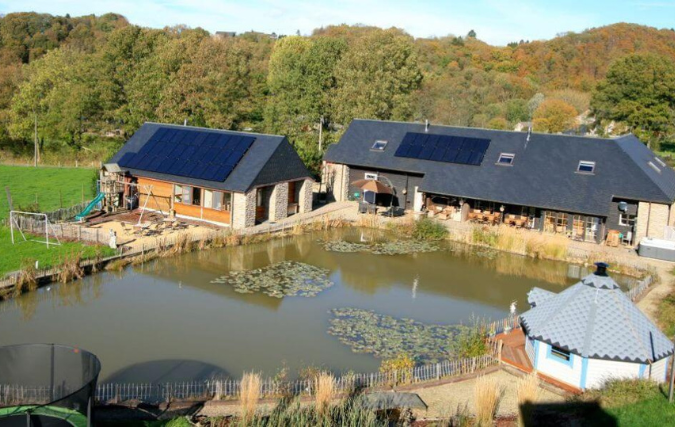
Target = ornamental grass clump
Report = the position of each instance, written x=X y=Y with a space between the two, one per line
x=528 y=392
x=250 y=394
x=487 y=395
x=428 y=229
x=325 y=391
x=27 y=279
x=70 y=268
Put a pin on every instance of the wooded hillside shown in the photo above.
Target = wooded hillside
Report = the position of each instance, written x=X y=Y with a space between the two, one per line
x=89 y=82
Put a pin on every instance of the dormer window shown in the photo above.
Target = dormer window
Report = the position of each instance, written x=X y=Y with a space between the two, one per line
x=586 y=167
x=379 y=145
x=506 y=159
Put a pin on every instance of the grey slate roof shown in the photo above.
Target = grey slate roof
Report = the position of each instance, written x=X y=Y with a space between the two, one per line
x=538 y=295
x=594 y=318
x=543 y=173
x=271 y=159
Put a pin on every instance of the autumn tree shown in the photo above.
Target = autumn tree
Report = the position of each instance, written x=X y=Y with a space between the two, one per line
x=377 y=78
x=640 y=91
x=554 y=115
x=301 y=84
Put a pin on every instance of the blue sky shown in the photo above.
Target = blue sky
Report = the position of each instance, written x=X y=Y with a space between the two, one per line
x=495 y=21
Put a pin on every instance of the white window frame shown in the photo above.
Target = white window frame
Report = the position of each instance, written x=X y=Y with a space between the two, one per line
x=586 y=163
x=510 y=156
x=208 y=198
x=370 y=175
x=375 y=146
x=625 y=222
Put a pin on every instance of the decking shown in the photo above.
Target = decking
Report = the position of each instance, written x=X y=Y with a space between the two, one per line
x=514 y=354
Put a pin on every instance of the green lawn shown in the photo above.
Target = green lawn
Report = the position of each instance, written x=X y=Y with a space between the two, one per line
x=52 y=187
x=652 y=411
x=55 y=188
x=14 y=255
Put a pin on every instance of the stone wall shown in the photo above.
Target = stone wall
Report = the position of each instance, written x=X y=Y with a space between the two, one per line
x=652 y=220
x=279 y=202
x=658 y=220
x=243 y=209
x=336 y=180
x=306 y=196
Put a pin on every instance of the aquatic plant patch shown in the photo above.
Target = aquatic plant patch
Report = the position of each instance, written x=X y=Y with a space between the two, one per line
x=398 y=247
x=387 y=337
x=283 y=279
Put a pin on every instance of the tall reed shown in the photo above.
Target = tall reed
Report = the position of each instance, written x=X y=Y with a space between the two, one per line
x=249 y=394
x=487 y=395
x=528 y=392
x=325 y=391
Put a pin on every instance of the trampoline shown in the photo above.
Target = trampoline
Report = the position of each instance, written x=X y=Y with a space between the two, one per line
x=47 y=385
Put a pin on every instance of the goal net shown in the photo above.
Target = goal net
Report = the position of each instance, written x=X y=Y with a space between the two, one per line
x=33 y=227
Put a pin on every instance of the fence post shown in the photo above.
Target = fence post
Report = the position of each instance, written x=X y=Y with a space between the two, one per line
x=438 y=371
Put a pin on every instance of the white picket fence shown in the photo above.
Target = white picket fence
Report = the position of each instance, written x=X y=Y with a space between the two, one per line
x=230 y=389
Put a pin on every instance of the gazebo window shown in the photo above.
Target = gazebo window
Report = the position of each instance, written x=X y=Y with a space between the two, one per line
x=559 y=354
x=379 y=145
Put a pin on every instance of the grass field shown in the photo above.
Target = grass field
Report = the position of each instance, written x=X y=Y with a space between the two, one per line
x=14 y=256
x=53 y=188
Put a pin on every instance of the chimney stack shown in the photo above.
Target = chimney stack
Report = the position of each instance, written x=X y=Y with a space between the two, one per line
x=601 y=268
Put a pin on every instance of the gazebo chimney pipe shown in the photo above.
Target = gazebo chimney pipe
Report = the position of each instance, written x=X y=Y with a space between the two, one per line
x=601 y=268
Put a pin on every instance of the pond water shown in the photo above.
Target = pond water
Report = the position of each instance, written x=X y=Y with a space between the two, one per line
x=171 y=319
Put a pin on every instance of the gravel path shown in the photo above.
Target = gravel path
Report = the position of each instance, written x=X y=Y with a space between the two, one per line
x=445 y=400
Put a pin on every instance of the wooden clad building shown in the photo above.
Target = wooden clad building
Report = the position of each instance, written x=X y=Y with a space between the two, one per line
x=223 y=177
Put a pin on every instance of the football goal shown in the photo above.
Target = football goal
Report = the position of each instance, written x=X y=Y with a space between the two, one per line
x=35 y=225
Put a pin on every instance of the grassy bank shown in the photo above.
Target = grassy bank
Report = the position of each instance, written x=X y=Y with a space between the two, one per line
x=15 y=257
x=45 y=188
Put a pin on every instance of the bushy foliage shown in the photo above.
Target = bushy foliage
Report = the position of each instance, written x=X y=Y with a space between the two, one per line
x=427 y=229
x=470 y=342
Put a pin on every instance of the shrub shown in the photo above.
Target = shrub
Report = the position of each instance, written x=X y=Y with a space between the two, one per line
x=399 y=369
x=487 y=395
x=470 y=342
x=27 y=279
x=427 y=229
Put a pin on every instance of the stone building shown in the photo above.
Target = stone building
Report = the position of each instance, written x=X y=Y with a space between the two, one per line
x=227 y=178
x=582 y=187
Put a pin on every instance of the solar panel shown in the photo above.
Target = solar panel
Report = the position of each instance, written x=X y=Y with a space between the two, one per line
x=198 y=154
x=443 y=148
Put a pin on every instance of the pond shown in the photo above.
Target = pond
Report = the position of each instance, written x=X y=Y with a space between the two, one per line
x=186 y=317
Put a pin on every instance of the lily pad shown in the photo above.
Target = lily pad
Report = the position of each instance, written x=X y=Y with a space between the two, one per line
x=283 y=279
x=397 y=247
x=386 y=337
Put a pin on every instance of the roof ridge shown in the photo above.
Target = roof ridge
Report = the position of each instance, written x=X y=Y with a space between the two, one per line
x=561 y=135
x=214 y=129
x=631 y=326
x=642 y=170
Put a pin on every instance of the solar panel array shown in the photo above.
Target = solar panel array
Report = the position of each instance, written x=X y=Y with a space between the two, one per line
x=210 y=156
x=443 y=148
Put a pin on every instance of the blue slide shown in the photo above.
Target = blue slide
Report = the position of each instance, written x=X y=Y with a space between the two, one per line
x=90 y=206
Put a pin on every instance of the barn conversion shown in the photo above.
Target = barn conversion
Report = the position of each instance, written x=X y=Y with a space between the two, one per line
x=223 y=177
x=585 y=188
x=592 y=332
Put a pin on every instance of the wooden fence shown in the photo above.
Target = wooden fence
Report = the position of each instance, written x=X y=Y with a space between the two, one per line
x=639 y=289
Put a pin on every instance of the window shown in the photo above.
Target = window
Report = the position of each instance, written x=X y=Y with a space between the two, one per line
x=369 y=175
x=653 y=166
x=208 y=199
x=586 y=167
x=559 y=353
x=506 y=159
x=196 y=196
x=227 y=202
x=661 y=162
x=178 y=194
x=181 y=194
x=627 y=220
x=379 y=145
x=213 y=199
